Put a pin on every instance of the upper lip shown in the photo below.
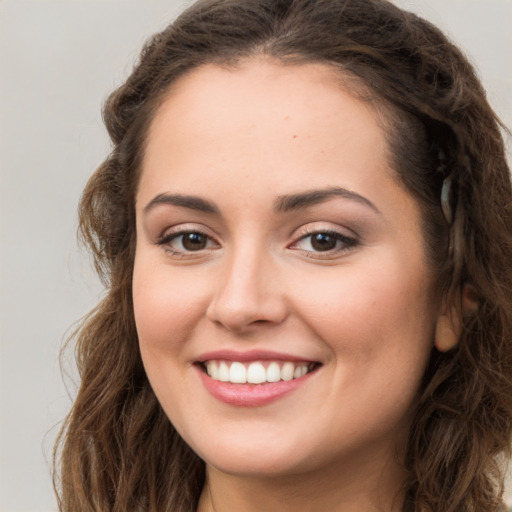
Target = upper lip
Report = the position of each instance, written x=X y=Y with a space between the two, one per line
x=251 y=355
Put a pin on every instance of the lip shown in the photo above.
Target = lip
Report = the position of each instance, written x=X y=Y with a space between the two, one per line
x=250 y=395
x=251 y=355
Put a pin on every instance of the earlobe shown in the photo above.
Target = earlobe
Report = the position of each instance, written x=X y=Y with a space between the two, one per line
x=448 y=331
x=449 y=325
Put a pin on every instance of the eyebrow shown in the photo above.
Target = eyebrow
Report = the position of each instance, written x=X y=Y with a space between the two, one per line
x=186 y=201
x=284 y=203
x=312 y=197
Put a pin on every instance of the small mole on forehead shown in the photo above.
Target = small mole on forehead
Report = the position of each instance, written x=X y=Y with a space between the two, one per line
x=295 y=136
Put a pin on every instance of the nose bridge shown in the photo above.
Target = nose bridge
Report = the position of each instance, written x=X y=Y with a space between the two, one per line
x=247 y=291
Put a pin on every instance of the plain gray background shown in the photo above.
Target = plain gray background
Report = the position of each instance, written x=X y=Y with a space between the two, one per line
x=58 y=61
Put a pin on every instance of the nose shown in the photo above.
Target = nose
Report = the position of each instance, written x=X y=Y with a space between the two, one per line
x=247 y=293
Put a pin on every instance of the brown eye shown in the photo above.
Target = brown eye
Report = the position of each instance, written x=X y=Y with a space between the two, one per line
x=323 y=242
x=186 y=242
x=194 y=241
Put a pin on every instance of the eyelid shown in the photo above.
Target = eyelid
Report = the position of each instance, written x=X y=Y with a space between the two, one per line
x=186 y=227
x=351 y=240
x=323 y=227
x=173 y=232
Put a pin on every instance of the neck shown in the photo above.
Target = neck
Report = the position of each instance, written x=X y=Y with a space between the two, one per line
x=364 y=486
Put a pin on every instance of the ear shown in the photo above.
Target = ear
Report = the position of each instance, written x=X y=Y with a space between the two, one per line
x=449 y=324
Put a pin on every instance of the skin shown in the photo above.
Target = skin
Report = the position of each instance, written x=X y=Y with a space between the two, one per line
x=241 y=139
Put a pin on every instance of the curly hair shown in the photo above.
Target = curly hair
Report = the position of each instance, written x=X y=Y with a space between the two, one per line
x=117 y=450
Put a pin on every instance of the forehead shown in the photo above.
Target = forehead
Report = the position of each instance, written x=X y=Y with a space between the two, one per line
x=262 y=113
x=284 y=89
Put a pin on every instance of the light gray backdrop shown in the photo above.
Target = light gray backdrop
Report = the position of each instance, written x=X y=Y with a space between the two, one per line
x=58 y=61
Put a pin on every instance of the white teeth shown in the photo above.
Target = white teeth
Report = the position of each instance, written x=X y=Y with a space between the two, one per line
x=213 y=370
x=287 y=371
x=255 y=372
x=223 y=372
x=273 y=372
x=237 y=373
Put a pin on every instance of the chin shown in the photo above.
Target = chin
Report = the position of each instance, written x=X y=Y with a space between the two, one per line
x=257 y=459
x=255 y=466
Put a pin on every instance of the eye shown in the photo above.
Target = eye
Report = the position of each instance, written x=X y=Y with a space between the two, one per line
x=192 y=241
x=324 y=242
x=184 y=242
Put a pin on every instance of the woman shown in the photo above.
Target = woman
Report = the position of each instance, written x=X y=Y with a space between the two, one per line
x=305 y=231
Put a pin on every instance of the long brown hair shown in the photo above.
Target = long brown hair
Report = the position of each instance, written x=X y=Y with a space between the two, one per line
x=117 y=450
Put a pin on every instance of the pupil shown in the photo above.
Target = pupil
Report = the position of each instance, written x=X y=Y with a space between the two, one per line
x=323 y=242
x=194 y=241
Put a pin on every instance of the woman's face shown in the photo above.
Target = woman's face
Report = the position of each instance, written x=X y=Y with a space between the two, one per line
x=276 y=244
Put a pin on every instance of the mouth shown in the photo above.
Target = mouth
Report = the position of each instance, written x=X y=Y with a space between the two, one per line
x=254 y=378
x=256 y=372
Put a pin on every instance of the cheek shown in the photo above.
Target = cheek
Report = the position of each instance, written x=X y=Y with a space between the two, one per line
x=167 y=305
x=372 y=312
x=379 y=330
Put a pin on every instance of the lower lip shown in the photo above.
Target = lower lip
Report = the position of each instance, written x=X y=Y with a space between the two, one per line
x=250 y=395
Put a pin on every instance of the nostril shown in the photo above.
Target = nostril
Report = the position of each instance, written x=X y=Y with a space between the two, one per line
x=247 y=297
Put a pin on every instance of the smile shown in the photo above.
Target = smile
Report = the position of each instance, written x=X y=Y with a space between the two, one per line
x=253 y=378
x=256 y=372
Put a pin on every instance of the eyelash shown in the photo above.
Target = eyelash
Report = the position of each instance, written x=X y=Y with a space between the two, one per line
x=165 y=241
x=347 y=243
